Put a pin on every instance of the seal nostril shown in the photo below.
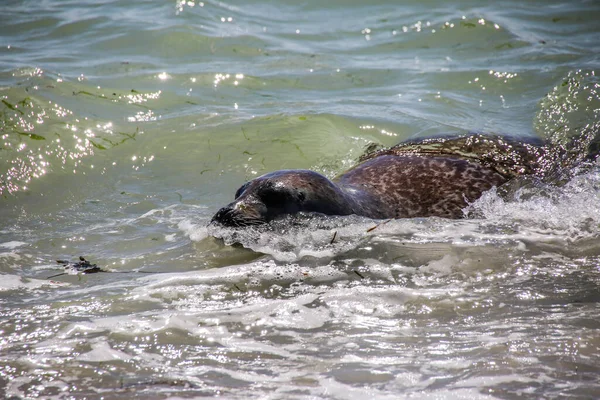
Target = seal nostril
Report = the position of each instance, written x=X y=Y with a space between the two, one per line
x=223 y=217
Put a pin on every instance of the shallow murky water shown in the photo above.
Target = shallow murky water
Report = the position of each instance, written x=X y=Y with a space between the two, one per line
x=126 y=125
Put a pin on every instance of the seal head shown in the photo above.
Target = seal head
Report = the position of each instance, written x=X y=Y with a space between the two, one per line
x=283 y=192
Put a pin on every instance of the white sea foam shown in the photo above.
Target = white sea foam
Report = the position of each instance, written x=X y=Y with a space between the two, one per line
x=15 y=282
x=12 y=244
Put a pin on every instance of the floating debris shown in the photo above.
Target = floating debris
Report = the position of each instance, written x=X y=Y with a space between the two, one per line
x=83 y=267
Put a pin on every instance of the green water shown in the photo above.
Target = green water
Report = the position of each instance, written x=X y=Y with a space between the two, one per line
x=126 y=125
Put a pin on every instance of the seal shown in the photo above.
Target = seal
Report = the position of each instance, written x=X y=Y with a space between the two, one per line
x=419 y=178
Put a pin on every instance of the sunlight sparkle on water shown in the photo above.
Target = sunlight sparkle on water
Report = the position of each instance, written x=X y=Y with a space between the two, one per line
x=223 y=77
x=503 y=75
x=142 y=116
x=181 y=4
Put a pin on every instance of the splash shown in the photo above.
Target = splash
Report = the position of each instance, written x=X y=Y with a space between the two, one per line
x=572 y=209
x=569 y=118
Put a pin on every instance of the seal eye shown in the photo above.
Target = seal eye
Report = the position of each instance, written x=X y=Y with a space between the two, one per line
x=241 y=190
x=274 y=198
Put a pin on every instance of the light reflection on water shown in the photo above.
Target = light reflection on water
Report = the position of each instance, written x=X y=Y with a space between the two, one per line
x=125 y=126
x=456 y=311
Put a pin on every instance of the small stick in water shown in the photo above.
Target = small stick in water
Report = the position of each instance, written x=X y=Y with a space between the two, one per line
x=378 y=225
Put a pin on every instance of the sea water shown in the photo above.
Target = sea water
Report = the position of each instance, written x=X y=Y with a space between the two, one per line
x=126 y=125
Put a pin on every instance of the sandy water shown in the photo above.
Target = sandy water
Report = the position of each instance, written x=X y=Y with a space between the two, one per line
x=126 y=125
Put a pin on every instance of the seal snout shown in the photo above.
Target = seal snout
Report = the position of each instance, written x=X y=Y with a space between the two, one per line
x=232 y=216
x=223 y=216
